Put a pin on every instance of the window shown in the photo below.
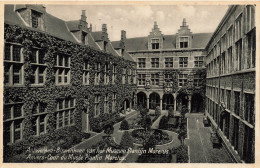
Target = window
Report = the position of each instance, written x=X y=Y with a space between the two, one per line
x=234 y=141
x=168 y=77
x=251 y=49
x=13 y=122
x=183 y=62
x=86 y=69
x=248 y=145
x=65 y=112
x=155 y=62
x=114 y=74
x=249 y=108
x=155 y=44
x=238 y=55
x=106 y=105
x=97 y=73
x=141 y=62
x=39 y=66
x=228 y=98
x=249 y=17
x=97 y=105
x=155 y=79
x=198 y=62
x=182 y=79
x=223 y=64
x=129 y=76
x=106 y=74
x=39 y=118
x=62 y=69
x=237 y=103
x=36 y=19
x=197 y=80
x=230 y=59
x=141 y=79
x=13 y=65
x=84 y=39
x=184 y=42
x=134 y=76
x=114 y=103
x=123 y=75
x=230 y=36
x=168 y=62
x=238 y=27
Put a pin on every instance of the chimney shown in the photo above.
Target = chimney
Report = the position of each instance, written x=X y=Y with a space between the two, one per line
x=184 y=22
x=155 y=25
x=83 y=16
x=104 y=28
x=90 y=27
x=123 y=35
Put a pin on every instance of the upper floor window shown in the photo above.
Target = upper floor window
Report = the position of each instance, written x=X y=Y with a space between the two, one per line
x=39 y=66
x=97 y=73
x=84 y=39
x=97 y=105
x=114 y=102
x=169 y=62
x=197 y=80
x=106 y=74
x=63 y=69
x=249 y=108
x=36 y=19
x=238 y=27
x=183 y=62
x=184 y=42
x=134 y=76
x=86 y=73
x=155 y=44
x=237 y=102
x=141 y=62
x=230 y=36
x=13 y=65
x=155 y=79
x=106 y=104
x=141 y=79
x=113 y=74
x=182 y=79
x=168 y=77
x=155 y=62
x=198 y=61
x=123 y=75
x=129 y=76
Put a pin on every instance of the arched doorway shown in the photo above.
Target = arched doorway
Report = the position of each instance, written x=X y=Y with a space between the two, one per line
x=168 y=101
x=141 y=99
x=182 y=99
x=154 y=100
x=196 y=103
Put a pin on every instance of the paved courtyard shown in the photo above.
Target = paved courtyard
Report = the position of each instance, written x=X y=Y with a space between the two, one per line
x=200 y=146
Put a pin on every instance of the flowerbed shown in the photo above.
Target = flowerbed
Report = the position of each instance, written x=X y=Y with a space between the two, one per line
x=161 y=137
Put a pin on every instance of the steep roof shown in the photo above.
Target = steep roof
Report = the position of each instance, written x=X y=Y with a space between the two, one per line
x=97 y=35
x=199 y=40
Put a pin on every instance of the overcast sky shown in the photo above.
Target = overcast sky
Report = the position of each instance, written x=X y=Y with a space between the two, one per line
x=138 y=20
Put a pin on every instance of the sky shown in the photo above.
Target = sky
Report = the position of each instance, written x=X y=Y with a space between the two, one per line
x=138 y=20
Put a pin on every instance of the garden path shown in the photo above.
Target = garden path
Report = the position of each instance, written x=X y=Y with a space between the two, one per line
x=155 y=124
x=200 y=146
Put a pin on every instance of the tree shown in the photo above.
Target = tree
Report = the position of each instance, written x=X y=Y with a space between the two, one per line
x=157 y=111
x=171 y=112
x=182 y=135
x=109 y=129
x=146 y=122
x=124 y=125
x=126 y=140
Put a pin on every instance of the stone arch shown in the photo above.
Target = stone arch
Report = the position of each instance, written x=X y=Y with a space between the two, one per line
x=182 y=99
x=154 y=100
x=141 y=99
x=167 y=101
x=196 y=103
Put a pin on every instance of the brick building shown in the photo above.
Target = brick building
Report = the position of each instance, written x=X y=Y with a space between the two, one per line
x=230 y=90
x=60 y=78
x=166 y=65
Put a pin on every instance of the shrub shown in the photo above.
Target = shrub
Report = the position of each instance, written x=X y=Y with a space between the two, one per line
x=146 y=122
x=181 y=154
x=150 y=143
x=109 y=129
x=163 y=124
x=157 y=111
x=126 y=140
x=124 y=125
x=171 y=112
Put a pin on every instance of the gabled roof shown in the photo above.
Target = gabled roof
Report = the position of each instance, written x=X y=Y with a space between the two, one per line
x=199 y=40
x=97 y=35
x=73 y=25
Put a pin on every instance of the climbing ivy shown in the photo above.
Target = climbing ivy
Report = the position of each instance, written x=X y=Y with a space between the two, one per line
x=50 y=92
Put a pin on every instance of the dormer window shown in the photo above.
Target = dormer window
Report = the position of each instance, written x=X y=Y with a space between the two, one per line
x=105 y=46
x=84 y=39
x=184 y=42
x=36 y=19
x=155 y=44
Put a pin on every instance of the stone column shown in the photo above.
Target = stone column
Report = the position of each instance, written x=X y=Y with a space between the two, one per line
x=147 y=103
x=175 y=101
x=189 y=103
x=161 y=104
x=87 y=123
x=130 y=105
x=124 y=106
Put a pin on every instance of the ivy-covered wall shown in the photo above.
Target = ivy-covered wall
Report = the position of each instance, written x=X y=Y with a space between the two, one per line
x=50 y=92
